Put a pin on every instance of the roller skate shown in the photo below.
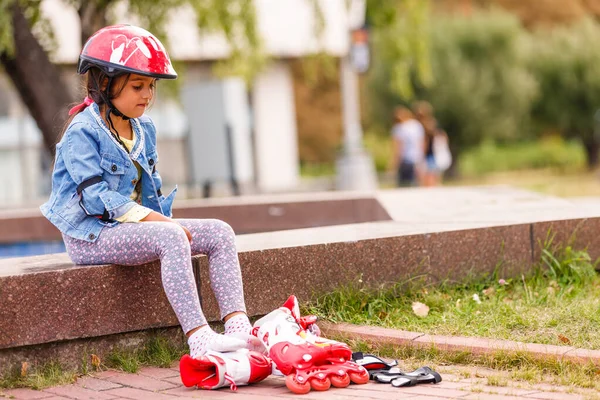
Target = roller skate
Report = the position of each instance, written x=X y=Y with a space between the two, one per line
x=308 y=361
x=215 y=370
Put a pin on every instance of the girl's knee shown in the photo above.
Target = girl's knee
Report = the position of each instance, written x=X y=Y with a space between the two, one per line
x=222 y=227
x=174 y=231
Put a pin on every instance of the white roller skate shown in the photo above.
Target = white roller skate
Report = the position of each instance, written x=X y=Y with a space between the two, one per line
x=215 y=370
x=308 y=361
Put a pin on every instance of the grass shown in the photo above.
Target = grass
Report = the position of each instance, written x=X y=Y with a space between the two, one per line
x=158 y=351
x=546 y=181
x=50 y=374
x=549 y=165
x=511 y=366
x=558 y=303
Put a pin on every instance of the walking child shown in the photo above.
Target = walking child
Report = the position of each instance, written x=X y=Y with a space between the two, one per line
x=106 y=191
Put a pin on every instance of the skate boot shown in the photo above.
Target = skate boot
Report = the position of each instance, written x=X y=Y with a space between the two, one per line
x=309 y=324
x=214 y=369
x=307 y=361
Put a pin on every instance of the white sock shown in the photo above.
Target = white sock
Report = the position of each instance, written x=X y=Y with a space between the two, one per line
x=239 y=327
x=205 y=339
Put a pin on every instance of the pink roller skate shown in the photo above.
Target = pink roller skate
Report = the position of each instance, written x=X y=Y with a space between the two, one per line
x=214 y=370
x=306 y=360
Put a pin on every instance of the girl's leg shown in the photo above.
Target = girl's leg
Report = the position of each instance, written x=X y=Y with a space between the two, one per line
x=140 y=243
x=216 y=239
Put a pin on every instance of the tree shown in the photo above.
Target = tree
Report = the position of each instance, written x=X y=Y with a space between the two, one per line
x=565 y=62
x=37 y=80
x=480 y=86
x=26 y=41
x=401 y=42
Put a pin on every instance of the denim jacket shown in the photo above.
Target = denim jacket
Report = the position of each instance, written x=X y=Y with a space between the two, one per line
x=89 y=160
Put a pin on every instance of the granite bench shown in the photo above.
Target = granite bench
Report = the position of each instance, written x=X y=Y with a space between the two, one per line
x=52 y=308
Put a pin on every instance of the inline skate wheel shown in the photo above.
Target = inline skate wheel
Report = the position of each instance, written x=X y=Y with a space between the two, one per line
x=320 y=384
x=295 y=386
x=359 y=377
x=340 y=381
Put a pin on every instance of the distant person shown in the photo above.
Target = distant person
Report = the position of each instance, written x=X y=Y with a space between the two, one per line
x=436 y=148
x=106 y=191
x=408 y=138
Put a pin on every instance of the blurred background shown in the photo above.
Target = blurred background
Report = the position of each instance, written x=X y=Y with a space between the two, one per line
x=299 y=95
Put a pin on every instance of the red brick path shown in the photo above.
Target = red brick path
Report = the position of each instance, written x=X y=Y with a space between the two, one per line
x=164 y=384
x=458 y=382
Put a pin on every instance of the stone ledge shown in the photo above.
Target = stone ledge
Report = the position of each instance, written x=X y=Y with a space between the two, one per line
x=47 y=298
x=44 y=303
x=245 y=214
x=475 y=345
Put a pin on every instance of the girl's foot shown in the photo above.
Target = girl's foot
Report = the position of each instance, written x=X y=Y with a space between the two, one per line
x=205 y=339
x=239 y=327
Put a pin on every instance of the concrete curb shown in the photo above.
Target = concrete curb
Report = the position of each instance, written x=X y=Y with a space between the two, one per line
x=477 y=346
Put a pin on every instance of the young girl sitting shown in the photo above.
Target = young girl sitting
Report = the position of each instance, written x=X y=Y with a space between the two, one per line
x=106 y=192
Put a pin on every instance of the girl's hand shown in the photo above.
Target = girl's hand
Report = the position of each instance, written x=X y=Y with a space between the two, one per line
x=187 y=232
x=158 y=217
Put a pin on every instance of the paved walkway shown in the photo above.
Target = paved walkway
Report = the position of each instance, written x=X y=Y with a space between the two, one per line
x=165 y=384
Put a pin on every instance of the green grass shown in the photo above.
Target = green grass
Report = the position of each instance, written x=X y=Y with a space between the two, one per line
x=558 y=303
x=50 y=374
x=546 y=181
x=157 y=351
x=552 y=154
x=312 y=170
x=513 y=366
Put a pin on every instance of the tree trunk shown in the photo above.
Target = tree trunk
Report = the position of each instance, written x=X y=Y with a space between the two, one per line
x=37 y=80
x=592 y=150
x=92 y=15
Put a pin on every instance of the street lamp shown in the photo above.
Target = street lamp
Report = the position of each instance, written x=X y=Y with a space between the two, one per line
x=355 y=167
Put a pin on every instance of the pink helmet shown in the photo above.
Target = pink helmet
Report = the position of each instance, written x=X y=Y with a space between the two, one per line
x=126 y=49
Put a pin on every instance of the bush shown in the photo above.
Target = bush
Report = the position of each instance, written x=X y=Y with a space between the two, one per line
x=550 y=152
x=565 y=62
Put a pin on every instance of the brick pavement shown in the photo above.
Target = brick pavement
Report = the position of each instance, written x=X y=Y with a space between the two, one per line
x=164 y=384
x=459 y=382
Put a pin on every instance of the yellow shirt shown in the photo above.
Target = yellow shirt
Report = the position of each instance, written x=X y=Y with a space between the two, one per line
x=138 y=212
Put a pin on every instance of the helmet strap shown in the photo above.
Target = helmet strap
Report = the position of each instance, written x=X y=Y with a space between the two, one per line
x=113 y=130
x=110 y=108
x=109 y=103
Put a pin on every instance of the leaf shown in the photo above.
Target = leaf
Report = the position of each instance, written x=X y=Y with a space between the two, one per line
x=564 y=339
x=95 y=361
x=420 y=309
x=24 y=368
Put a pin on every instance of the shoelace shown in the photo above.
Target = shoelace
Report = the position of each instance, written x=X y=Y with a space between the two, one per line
x=229 y=378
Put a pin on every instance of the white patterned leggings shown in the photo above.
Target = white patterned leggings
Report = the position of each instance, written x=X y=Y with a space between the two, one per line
x=143 y=242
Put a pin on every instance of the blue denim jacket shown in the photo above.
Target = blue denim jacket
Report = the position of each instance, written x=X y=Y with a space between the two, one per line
x=88 y=150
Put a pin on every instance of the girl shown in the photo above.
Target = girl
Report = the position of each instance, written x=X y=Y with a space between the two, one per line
x=407 y=154
x=106 y=192
x=437 y=153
